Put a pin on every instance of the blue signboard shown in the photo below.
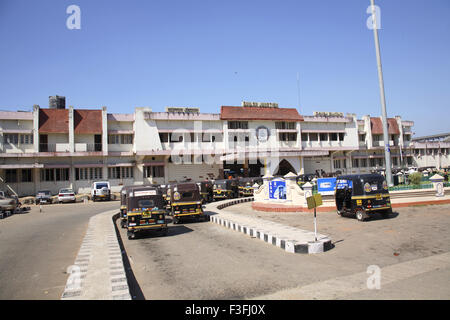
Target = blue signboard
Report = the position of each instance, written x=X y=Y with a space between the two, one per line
x=326 y=186
x=277 y=189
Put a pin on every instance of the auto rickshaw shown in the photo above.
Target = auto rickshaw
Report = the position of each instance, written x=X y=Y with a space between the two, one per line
x=186 y=202
x=225 y=189
x=166 y=196
x=123 y=205
x=145 y=210
x=206 y=190
x=163 y=188
x=362 y=195
x=246 y=186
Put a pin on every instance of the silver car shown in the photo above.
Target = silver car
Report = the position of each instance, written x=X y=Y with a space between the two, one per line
x=66 y=195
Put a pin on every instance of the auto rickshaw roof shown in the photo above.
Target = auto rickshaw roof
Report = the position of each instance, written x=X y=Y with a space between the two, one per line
x=363 y=177
x=185 y=186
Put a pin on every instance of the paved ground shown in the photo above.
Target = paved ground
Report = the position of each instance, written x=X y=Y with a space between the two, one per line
x=36 y=248
x=207 y=261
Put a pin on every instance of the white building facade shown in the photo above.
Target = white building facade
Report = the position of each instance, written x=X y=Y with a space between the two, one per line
x=58 y=148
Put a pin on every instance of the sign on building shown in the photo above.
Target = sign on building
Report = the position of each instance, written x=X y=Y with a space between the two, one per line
x=326 y=186
x=277 y=189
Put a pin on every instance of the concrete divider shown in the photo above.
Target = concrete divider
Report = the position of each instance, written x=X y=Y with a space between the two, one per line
x=98 y=271
x=292 y=240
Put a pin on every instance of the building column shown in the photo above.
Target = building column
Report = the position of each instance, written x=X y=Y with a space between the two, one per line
x=105 y=131
x=36 y=128
x=71 y=131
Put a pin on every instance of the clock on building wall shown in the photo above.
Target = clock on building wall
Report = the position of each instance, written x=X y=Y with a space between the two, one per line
x=262 y=133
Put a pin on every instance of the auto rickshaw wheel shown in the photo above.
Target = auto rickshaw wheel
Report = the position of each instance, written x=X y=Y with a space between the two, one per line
x=339 y=213
x=175 y=220
x=131 y=235
x=361 y=215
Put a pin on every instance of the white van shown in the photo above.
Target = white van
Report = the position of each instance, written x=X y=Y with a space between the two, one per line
x=101 y=190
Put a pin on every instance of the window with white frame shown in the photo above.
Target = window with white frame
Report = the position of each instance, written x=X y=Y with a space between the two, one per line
x=363 y=163
x=88 y=173
x=26 y=175
x=237 y=124
x=57 y=174
x=154 y=171
x=11 y=138
x=285 y=125
x=26 y=139
x=120 y=172
x=120 y=139
x=287 y=136
x=11 y=175
x=337 y=164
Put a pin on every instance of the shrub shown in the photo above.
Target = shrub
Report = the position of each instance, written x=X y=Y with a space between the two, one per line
x=415 y=178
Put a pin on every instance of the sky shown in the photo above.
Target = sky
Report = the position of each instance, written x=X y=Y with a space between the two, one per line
x=209 y=53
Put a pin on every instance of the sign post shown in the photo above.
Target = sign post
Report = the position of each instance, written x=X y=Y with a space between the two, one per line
x=313 y=202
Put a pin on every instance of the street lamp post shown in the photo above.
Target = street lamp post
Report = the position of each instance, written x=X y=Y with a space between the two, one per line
x=387 y=150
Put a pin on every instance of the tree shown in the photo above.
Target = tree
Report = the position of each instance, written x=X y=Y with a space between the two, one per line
x=415 y=178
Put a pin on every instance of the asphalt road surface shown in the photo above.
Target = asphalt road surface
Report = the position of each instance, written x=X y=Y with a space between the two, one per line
x=207 y=261
x=37 y=247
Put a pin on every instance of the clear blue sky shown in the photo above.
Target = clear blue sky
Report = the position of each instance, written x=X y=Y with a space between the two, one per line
x=208 y=53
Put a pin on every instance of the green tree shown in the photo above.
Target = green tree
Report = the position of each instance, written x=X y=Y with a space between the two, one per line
x=415 y=178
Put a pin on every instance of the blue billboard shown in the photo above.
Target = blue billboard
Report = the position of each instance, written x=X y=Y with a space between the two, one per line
x=326 y=186
x=277 y=189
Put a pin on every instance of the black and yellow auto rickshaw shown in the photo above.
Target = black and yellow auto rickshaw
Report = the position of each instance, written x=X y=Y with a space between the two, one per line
x=163 y=188
x=166 y=194
x=362 y=195
x=123 y=205
x=206 y=190
x=225 y=189
x=246 y=186
x=145 y=210
x=186 y=202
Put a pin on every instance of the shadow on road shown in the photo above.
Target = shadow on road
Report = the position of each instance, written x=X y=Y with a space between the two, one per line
x=135 y=290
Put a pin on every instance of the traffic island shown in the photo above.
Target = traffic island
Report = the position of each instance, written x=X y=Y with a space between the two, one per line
x=290 y=239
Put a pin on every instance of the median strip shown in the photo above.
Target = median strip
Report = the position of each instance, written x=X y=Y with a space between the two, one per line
x=98 y=272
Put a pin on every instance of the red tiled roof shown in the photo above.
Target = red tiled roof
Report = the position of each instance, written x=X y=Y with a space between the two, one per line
x=87 y=121
x=53 y=121
x=259 y=113
x=377 y=126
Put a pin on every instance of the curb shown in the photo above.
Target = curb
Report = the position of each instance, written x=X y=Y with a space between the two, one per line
x=291 y=246
x=98 y=272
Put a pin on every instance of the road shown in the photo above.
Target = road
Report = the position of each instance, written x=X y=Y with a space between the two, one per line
x=37 y=247
x=207 y=261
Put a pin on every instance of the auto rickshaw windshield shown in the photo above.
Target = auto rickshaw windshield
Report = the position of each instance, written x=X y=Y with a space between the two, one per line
x=145 y=203
x=374 y=185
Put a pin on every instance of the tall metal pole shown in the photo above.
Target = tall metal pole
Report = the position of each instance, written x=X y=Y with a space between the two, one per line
x=387 y=149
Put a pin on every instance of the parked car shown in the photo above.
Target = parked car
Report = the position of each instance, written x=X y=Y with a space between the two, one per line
x=43 y=196
x=66 y=195
x=101 y=190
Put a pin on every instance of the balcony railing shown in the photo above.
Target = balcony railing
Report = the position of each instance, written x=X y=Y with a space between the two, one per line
x=65 y=147
x=88 y=147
